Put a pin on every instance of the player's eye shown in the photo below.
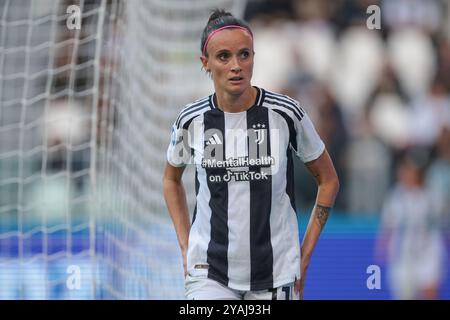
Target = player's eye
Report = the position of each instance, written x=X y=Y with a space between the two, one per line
x=245 y=54
x=223 y=56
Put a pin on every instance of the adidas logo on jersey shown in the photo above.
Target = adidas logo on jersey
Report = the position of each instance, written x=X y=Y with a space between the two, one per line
x=214 y=140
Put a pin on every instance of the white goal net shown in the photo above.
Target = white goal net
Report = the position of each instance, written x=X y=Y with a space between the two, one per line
x=88 y=92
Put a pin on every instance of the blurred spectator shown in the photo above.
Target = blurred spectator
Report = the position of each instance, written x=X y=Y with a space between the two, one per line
x=443 y=59
x=356 y=68
x=410 y=233
x=349 y=13
x=412 y=56
x=314 y=44
x=430 y=113
x=267 y=45
x=269 y=8
x=438 y=176
x=332 y=130
x=380 y=128
x=388 y=112
x=368 y=170
x=424 y=14
x=313 y=10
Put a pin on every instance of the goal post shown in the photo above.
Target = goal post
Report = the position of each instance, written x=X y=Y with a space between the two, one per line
x=88 y=92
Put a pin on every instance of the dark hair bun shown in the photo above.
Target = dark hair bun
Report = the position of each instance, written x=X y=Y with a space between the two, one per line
x=218 y=13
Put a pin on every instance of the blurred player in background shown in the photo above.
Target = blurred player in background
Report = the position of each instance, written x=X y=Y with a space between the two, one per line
x=243 y=242
x=411 y=232
x=438 y=176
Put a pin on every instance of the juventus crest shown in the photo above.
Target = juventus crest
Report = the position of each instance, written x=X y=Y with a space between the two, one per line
x=260 y=132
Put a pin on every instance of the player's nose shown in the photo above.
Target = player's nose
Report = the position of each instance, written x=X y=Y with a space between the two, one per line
x=235 y=66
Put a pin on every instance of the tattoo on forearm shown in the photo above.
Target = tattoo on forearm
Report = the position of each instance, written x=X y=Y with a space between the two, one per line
x=322 y=213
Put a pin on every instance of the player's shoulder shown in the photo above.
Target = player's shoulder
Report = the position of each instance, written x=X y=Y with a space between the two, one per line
x=283 y=103
x=193 y=110
x=272 y=95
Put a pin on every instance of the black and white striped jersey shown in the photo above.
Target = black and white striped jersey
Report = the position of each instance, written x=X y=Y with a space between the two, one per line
x=244 y=231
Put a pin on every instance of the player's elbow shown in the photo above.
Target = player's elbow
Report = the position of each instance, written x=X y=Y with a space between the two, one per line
x=334 y=184
x=331 y=184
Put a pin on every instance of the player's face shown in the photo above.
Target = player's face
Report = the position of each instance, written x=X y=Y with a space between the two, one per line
x=230 y=60
x=409 y=175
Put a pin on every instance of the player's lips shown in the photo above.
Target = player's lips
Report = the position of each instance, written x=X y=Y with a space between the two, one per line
x=236 y=79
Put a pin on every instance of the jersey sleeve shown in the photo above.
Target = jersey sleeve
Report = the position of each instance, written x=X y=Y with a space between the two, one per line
x=309 y=144
x=179 y=150
x=391 y=211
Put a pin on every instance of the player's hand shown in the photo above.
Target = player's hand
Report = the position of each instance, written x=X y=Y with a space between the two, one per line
x=299 y=284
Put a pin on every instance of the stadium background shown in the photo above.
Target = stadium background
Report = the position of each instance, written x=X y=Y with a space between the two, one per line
x=85 y=118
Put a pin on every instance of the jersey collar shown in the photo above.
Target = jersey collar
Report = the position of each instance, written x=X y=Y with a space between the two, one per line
x=258 y=101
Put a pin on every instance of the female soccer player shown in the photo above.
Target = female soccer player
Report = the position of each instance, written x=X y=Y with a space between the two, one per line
x=411 y=232
x=243 y=242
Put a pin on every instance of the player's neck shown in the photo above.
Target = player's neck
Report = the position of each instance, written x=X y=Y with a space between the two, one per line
x=236 y=103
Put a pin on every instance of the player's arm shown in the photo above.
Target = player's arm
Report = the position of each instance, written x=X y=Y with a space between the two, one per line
x=387 y=227
x=327 y=180
x=328 y=186
x=175 y=197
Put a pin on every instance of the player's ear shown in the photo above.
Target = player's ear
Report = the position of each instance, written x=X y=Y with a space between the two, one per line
x=205 y=67
x=204 y=61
